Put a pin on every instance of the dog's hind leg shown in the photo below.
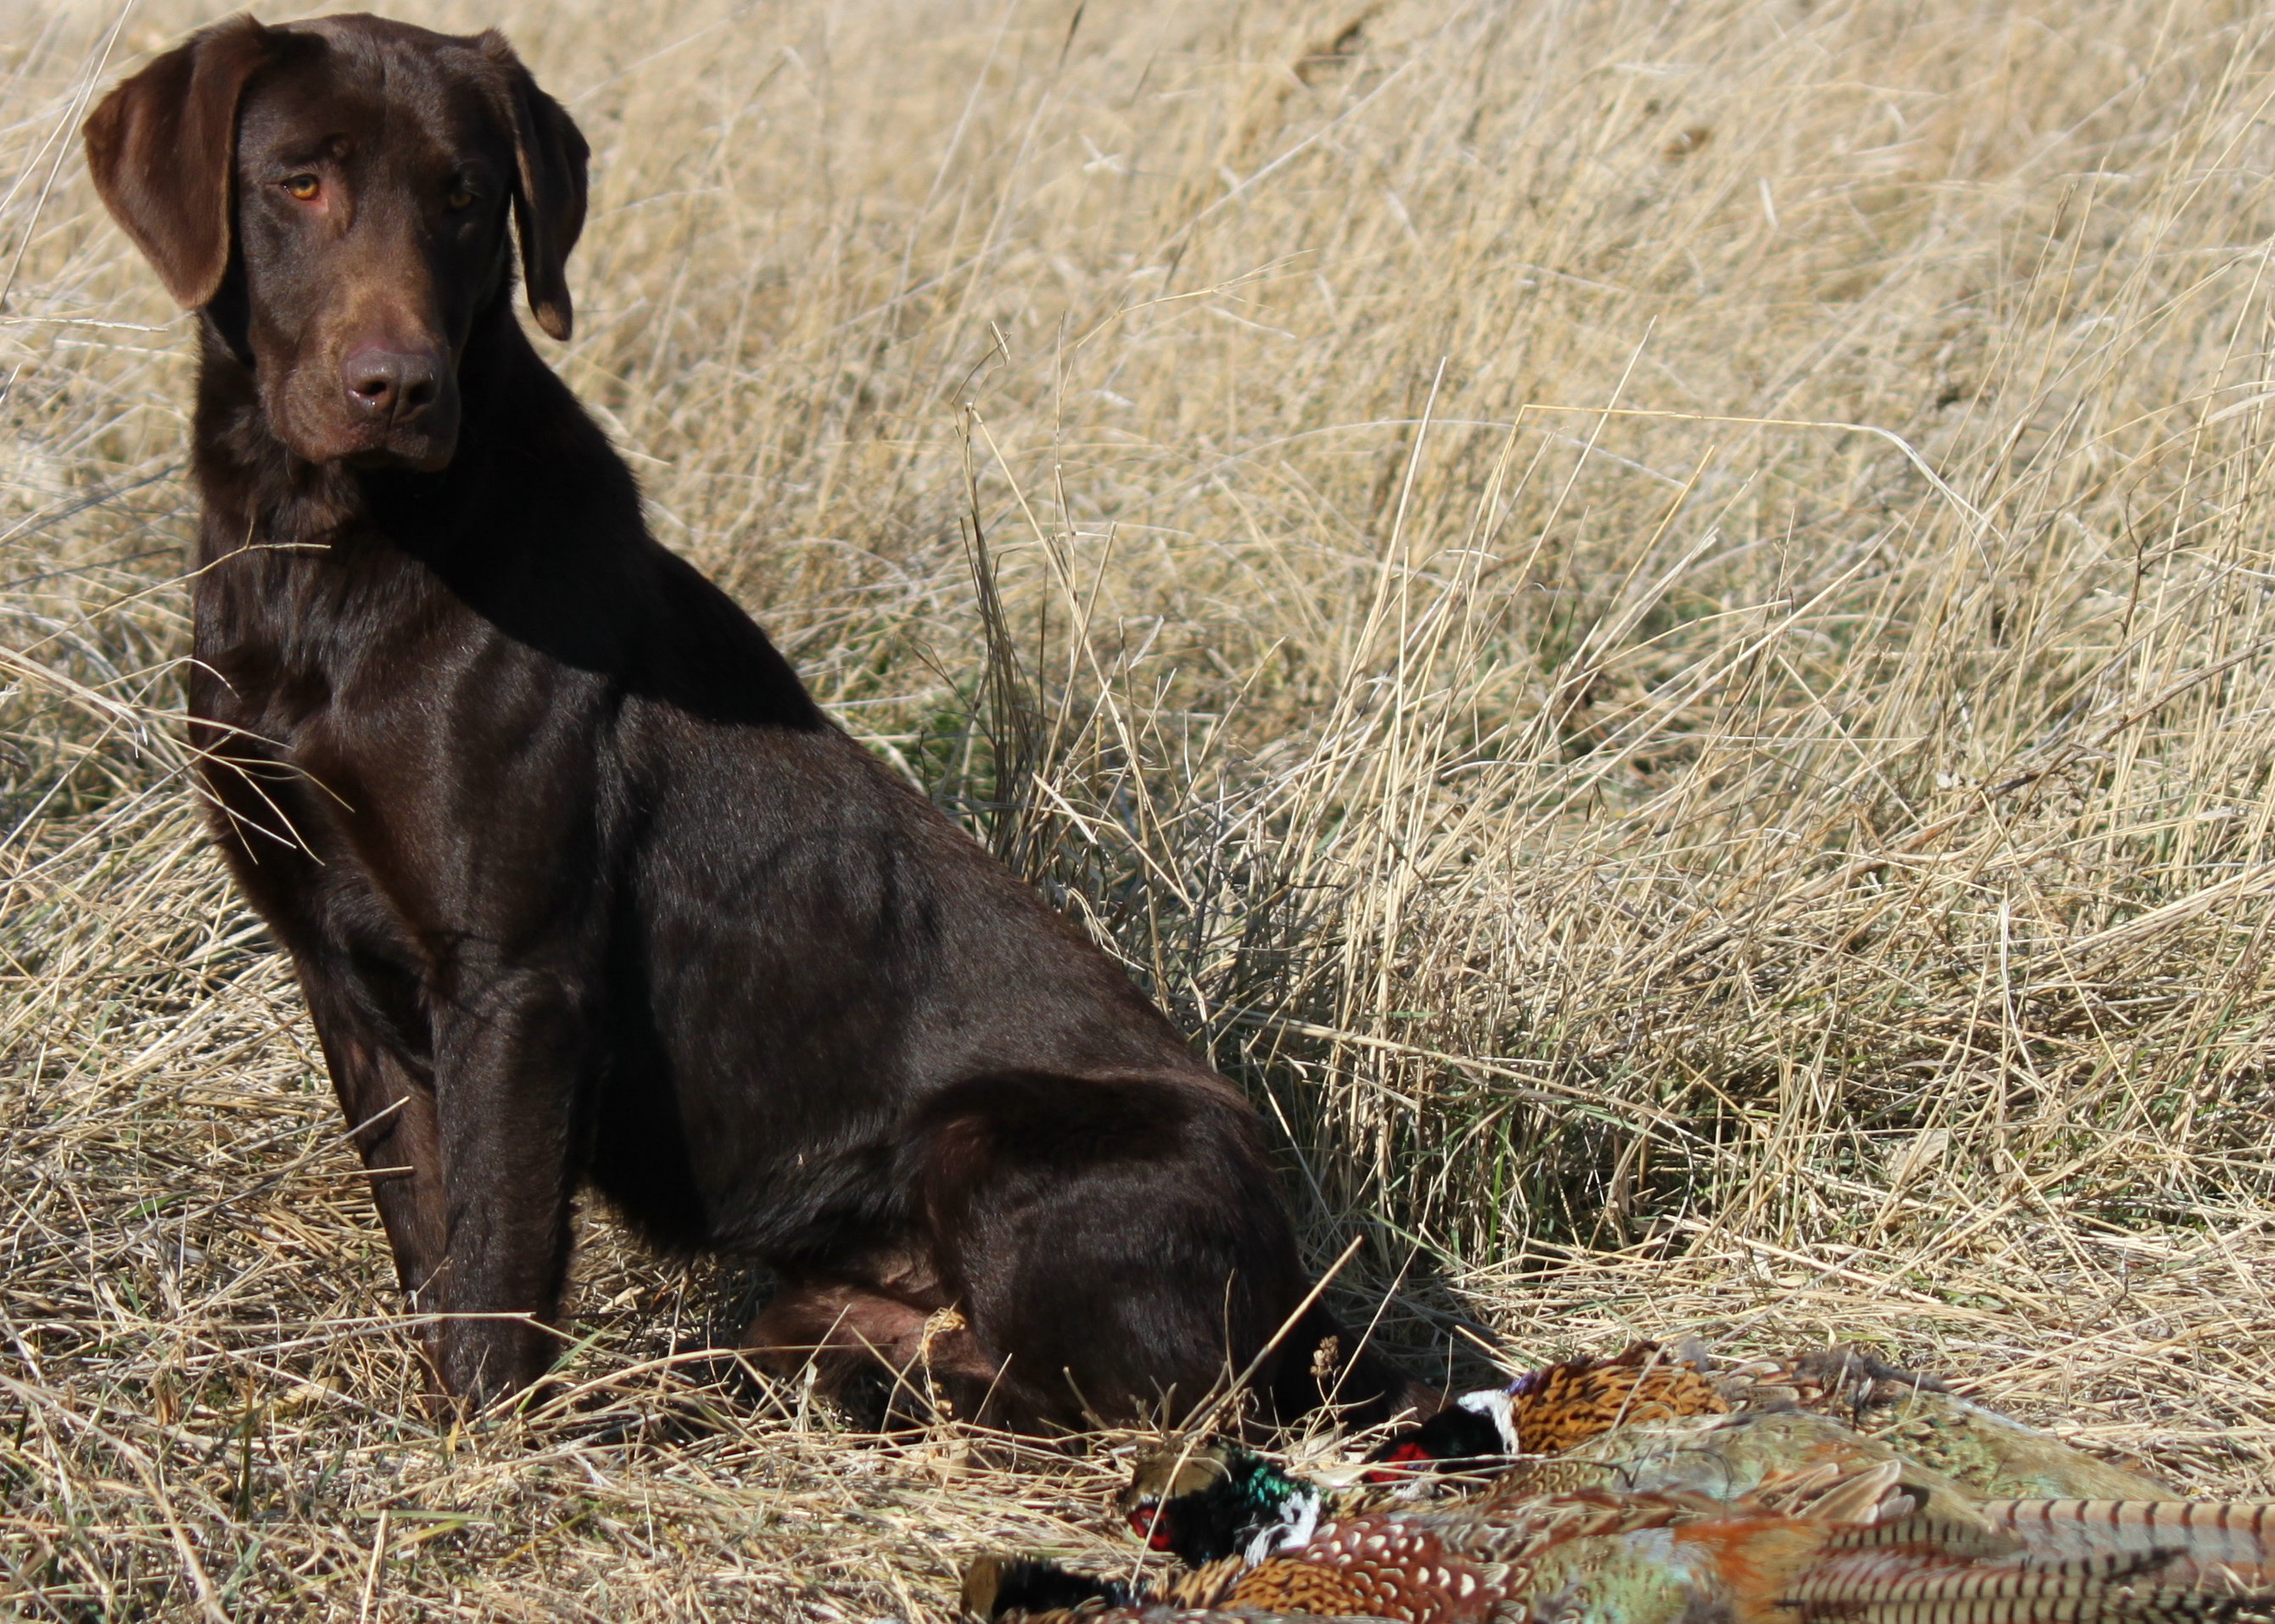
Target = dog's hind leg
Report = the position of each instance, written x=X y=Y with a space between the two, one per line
x=905 y=1356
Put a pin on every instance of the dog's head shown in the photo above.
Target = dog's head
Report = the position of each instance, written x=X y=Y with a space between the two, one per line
x=336 y=193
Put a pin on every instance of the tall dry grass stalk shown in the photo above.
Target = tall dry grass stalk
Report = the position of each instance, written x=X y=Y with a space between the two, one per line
x=1654 y=622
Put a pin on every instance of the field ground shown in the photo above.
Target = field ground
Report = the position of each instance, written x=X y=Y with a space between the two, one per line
x=1655 y=621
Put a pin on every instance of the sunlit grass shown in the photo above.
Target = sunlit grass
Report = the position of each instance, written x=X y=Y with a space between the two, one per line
x=1652 y=622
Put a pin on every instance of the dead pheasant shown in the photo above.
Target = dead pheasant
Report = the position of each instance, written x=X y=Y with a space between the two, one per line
x=1844 y=1539
x=1563 y=1406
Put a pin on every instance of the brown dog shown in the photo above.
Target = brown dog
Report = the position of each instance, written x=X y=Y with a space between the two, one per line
x=579 y=885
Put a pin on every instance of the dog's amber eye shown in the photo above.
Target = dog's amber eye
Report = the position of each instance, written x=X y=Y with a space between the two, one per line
x=461 y=197
x=304 y=188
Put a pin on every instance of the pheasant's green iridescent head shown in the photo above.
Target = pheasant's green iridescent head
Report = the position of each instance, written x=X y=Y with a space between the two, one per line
x=1216 y=1499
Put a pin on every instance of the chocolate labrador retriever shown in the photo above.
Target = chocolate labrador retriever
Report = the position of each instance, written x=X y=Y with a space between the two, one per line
x=580 y=886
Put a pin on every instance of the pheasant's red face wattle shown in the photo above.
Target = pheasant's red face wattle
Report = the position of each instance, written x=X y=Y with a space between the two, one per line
x=1392 y=1468
x=1150 y=1524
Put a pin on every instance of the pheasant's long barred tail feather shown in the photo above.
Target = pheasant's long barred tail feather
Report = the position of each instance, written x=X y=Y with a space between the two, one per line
x=1888 y=1577
x=2121 y=1606
x=2068 y=1562
x=2226 y=1535
x=1953 y=1539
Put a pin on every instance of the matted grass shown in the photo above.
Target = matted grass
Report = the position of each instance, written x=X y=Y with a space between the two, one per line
x=1655 y=622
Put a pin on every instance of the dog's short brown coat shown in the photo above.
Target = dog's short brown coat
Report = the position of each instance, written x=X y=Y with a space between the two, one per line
x=579 y=884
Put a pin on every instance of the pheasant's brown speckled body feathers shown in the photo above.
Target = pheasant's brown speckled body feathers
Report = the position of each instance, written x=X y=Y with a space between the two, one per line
x=1551 y=1409
x=1565 y=1404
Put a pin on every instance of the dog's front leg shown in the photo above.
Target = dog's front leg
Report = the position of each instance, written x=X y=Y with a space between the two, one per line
x=390 y=1113
x=512 y=1055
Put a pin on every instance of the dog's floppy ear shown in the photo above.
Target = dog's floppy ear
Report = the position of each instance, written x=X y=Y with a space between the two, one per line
x=549 y=187
x=163 y=150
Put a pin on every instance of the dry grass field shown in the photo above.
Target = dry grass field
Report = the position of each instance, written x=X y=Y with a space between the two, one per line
x=1655 y=621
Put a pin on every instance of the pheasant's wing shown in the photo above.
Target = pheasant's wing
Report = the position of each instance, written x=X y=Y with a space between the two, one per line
x=1999 y=1457
x=1985 y=1452
x=1728 y=1458
x=1840 y=1380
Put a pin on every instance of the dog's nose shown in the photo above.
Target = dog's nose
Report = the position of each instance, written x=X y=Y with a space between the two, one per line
x=393 y=384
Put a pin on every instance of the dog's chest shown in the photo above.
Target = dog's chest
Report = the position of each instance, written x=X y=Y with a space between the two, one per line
x=347 y=794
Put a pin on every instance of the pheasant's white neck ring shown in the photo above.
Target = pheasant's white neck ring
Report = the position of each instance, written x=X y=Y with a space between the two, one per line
x=1299 y=1518
x=1496 y=1406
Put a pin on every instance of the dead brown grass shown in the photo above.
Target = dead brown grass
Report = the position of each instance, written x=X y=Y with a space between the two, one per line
x=1654 y=622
